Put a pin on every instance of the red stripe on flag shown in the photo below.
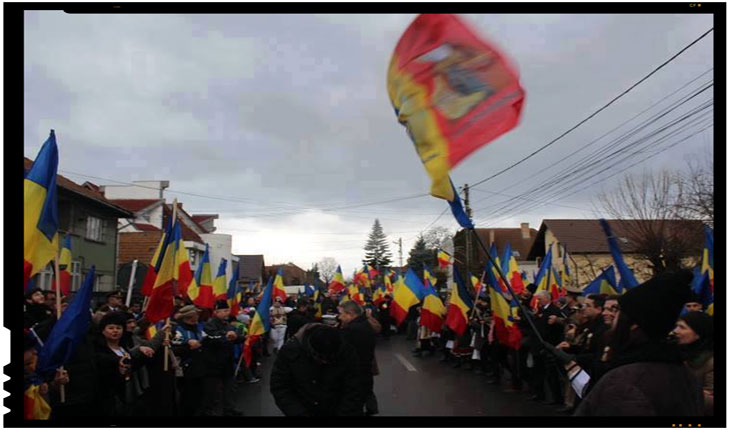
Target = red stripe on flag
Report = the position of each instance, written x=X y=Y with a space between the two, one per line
x=455 y=319
x=149 y=281
x=431 y=321
x=160 y=304
x=397 y=312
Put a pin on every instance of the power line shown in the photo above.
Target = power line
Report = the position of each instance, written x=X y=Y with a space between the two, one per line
x=594 y=113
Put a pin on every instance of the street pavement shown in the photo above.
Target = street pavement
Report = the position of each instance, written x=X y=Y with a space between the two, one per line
x=413 y=386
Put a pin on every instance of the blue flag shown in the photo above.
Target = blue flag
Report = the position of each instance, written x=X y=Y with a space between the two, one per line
x=308 y=291
x=69 y=331
x=628 y=280
x=605 y=283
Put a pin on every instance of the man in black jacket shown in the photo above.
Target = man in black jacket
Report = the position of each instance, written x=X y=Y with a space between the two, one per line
x=187 y=346
x=316 y=374
x=359 y=333
x=545 y=367
x=297 y=318
x=218 y=342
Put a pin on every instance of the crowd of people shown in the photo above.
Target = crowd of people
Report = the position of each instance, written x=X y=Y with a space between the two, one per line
x=646 y=352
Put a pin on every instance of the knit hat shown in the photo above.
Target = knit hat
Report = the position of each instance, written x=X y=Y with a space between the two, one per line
x=700 y=323
x=187 y=311
x=325 y=341
x=221 y=304
x=113 y=318
x=693 y=298
x=655 y=304
x=531 y=288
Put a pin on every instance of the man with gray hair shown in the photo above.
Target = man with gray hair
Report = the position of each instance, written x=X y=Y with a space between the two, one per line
x=359 y=333
x=545 y=367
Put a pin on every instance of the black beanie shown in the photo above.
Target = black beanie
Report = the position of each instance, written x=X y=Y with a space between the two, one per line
x=531 y=288
x=700 y=323
x=325 y=341
x=115 y=318
x=655 y=305
x=221 y=304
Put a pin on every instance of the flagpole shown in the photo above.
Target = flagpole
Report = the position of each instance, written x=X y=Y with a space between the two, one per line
x=174 y=287
x=474 y=307
x=131 y=283
x=507 y=284
x=62 y=388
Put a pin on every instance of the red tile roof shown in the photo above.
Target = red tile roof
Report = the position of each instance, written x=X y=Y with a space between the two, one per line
x=200 y=218
x=146 y=227
x=73 y=187
x=134 y=205
x=513 y=236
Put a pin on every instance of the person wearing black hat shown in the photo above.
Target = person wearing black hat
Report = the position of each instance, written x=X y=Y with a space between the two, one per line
x=316 y=374
x=114 y=301
x=694 y=304
x=694 y=334
x=187 y=345
x=37 y=314
x=218 y=340
x=647 y=376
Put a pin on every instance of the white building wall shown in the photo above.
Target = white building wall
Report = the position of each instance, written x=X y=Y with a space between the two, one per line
x=146 y=190
x=221 y=246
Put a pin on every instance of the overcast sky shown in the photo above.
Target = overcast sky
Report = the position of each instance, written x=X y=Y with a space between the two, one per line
x=276 y=117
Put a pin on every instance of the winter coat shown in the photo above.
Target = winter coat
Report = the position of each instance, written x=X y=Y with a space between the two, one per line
x=551 y=333
x=301 y=386
x=702 y=366
x=116 y=393
x=360 y=334
x=192 y=361
x=217 y=349
x=297 y=320
x=647 y=381
x=83 y=381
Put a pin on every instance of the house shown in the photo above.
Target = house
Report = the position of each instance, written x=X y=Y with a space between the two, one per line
x=251 y=269
x=90 y=220
x=293 y=274
x=587 y=246
x=141 y=233
x=520 y=239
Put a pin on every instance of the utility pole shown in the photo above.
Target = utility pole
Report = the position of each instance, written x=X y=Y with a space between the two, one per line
x=467 y=235
x=400 y=251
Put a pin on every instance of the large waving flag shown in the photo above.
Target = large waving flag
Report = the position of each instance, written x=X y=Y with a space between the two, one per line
x=408 y=292
x=183 y=273
x=161 y=304
x=35 y=406
x=542 y=279
x=460 y=304
x=69 y=331
x=701 y=287
x=428 y=275
x=64 y=267
x=279 y=290
x=433 y=310
x=566 y=276
x=204 y=282
x=40 y=210
x=388 y=282
x=556 y=286
x=503 y=310
x=379 y=295
x=234 y=292
x=627 y=280
x=453 y=91
x=220 y=283
x=605 y=283
x=444 y=259
x=511 y=270
x=337 y=283
x=260 y=324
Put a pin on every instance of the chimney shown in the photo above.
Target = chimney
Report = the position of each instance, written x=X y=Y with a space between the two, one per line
x=491 y=237
x=525 y=227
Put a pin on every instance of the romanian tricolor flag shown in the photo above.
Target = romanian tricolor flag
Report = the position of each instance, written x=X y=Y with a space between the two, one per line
x=279 y=290
x=566 y=276
x=40 y=211
x=511 y=270
x=388 y=282
x=35 y=406
x=701 y=287
x=556 y=286
x=460 y=304
x=64 y=267
x=149 y=277
x=186 y=285
x=542 y=279
x=234 y=292
x=260 y=324
x=708 y=258
x=408 y=292
x=444 y=259
x=337 y=283
x=454 y=93
x=379 y=295
x=161 y=304
x=477 y=284
x=605 y=283
x=433 y=310
x=428 y=275
x=628 y=280
x=502 y=310
x=204 y=282
x=372 y=272
x=220 y=283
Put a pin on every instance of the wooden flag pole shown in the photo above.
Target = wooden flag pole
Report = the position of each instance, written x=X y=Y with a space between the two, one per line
x=62 y=389
x=474 y=308
x=174 y=287
x=131 y=283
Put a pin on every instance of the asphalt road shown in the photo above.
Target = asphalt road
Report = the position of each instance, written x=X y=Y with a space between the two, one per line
x=412 y=386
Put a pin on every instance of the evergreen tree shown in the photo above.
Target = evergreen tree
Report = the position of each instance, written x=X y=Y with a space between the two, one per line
x=420 y=255
x=377 y=252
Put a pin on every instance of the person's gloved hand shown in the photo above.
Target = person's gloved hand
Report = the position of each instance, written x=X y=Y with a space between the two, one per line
x=562 y=356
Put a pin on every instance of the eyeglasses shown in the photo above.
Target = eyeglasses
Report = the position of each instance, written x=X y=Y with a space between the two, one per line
x=613 y=308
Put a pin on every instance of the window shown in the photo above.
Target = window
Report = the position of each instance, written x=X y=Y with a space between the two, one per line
x=95 y=229
x=75 y=275
x=516 y=253
x=192 y=256
x=45 y=278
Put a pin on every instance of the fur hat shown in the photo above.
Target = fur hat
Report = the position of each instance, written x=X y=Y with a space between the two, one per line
x=113 y=318
x=187 y=311
x=656 y=304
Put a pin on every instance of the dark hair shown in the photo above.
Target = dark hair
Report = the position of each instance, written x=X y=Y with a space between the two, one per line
x=598 y=300
x=325 y=341
x=611 y=297
x=623 y=337
x=113 y=318
x=30 y=293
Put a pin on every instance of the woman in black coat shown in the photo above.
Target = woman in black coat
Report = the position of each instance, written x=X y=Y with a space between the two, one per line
x=694 y=334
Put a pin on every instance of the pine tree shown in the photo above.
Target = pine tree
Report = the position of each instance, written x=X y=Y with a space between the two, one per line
x=377 y=252
x=420 y=255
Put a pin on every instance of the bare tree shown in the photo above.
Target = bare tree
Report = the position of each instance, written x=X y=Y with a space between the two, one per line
x=647 y=204
x=438 y=237
x=327 y=267
x=697 y=190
